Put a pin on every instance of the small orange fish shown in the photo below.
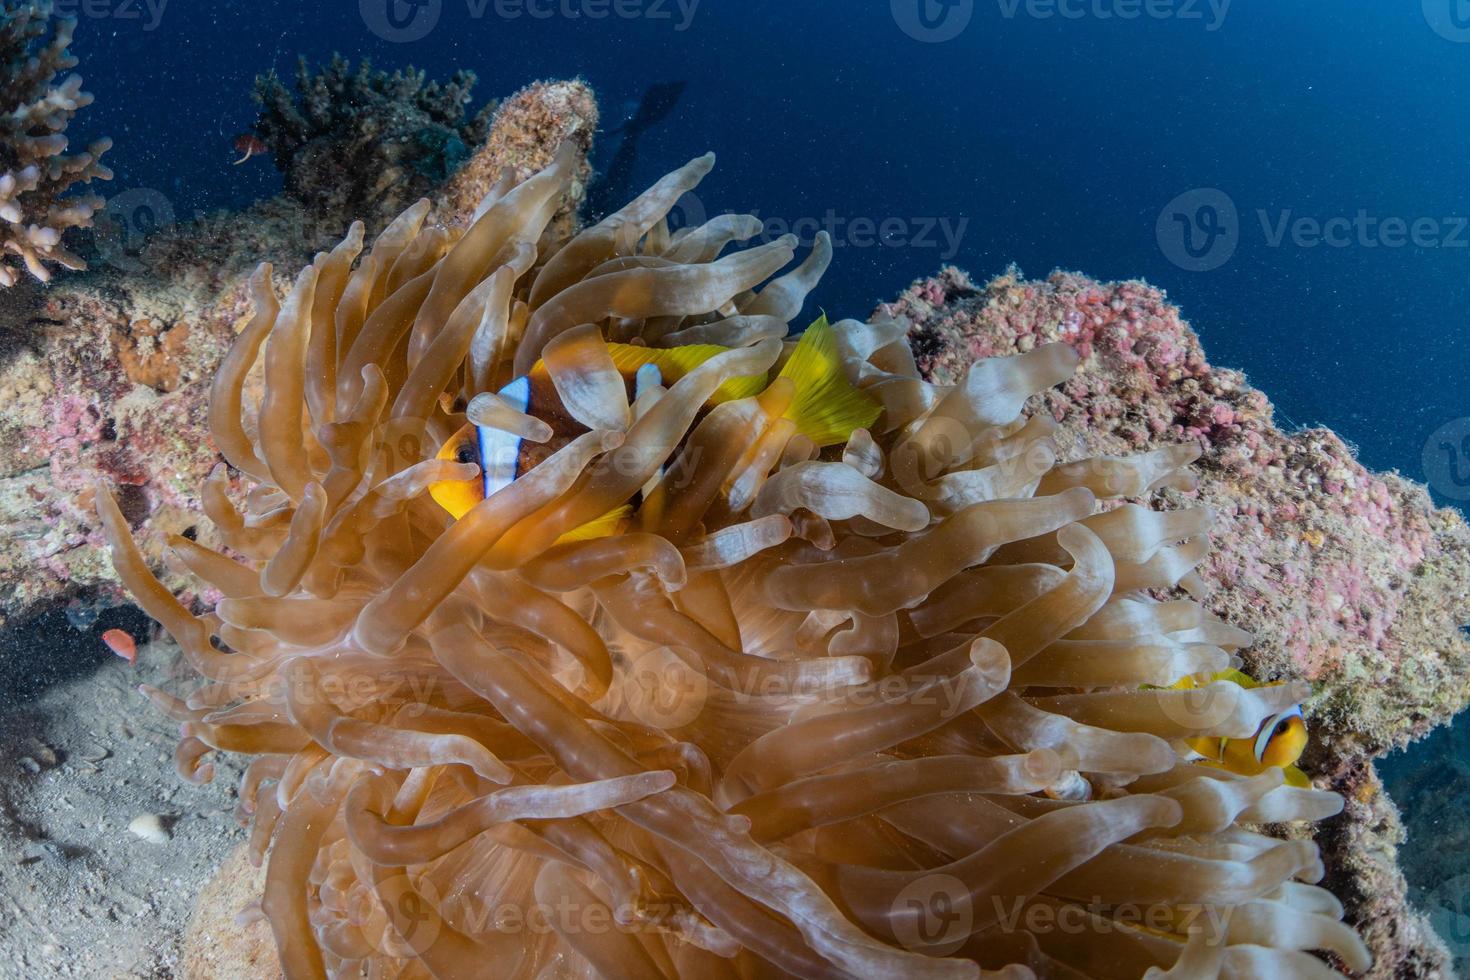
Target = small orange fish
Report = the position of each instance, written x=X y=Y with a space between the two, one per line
x=250 y=145
x=121 y=643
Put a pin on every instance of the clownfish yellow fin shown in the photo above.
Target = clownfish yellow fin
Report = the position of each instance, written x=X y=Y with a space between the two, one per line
x=1295 y=777
x=1243 y=679
x=1209 y=748
x=675 y=362
x=827 y=408
x=613 y=522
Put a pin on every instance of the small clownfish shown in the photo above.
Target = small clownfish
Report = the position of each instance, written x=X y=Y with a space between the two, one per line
x=825 y=407
x=1279 y=741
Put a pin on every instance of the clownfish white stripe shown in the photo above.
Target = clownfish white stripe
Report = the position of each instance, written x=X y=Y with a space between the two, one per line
x=1263 y=737
x=500 y=451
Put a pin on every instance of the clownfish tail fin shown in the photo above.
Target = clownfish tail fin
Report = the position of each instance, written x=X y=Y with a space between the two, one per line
x=613 y=522
x=827 y=408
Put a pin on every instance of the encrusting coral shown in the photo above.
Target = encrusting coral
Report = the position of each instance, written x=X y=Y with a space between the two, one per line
x=885 y=709
x=35 y=171
x=525 y=131
x=344 y=123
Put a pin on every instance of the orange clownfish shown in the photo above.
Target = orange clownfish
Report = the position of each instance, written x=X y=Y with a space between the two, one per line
x=1279 y=741
x=826 y=407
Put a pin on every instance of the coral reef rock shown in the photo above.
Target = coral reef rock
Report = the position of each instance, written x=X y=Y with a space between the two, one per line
x=35 y=171
x=343 y=123
x=524 y=135
x=1350 y=579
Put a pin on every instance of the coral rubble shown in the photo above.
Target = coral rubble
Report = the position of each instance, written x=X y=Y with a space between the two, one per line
x=1351 y=579
x=361 y=143
x=36 y=173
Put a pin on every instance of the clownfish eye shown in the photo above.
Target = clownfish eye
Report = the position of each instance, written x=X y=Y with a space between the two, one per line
x=1282 y=727
x=465 y=455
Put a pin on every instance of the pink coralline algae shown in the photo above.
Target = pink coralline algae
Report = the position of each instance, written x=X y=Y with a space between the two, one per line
x=79 y=410
x=1329 y=564
x=1351 y=579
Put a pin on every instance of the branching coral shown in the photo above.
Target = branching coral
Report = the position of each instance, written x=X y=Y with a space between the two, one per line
x=344 y=123
x=35 y=171
x=885 y=709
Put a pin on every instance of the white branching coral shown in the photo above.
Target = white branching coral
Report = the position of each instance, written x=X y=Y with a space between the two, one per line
x=35 y=170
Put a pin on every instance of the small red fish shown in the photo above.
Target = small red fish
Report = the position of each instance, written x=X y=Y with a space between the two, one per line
x=250 y=145
x=121 y=643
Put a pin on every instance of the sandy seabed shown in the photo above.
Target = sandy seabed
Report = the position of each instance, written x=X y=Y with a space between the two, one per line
x=81 y=895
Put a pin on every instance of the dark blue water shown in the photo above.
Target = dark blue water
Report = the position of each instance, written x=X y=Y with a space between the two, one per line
x=1051 y=141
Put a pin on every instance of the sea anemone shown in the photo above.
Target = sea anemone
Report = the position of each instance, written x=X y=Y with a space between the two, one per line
x=894 y=707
